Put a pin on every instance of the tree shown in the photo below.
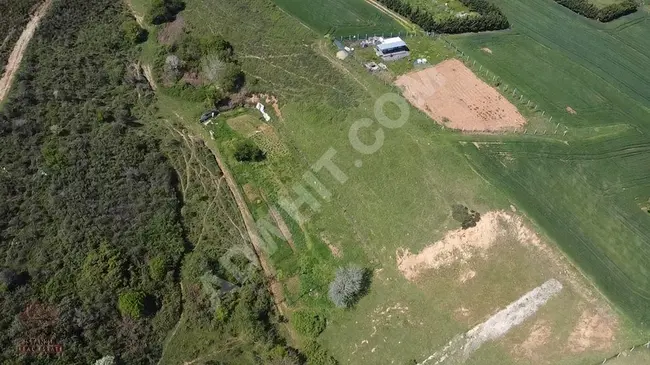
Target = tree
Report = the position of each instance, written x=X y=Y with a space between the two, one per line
x=7 y=280
x=347 y=286
x=467 y=218
x=131 y=304
x=133 y=32
x=233 y=78
x=247 y=151
x=162 y=11
x=158 y=268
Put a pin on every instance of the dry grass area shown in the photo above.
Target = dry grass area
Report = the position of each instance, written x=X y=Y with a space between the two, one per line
x=570 y=321
x=453 y=96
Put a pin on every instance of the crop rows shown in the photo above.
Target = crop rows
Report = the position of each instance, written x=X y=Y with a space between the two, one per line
x=588 y=195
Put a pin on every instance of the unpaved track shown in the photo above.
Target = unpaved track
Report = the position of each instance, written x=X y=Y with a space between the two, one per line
x=19 y=49
x=400 y=19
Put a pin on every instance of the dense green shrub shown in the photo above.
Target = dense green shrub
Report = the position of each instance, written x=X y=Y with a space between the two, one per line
x=233 y=78
x=158 y=268
x=489 y=17
x=133 y=32
x=347 y=286
x=131 y=304
x=604 y=14
x=308 y=323
x=247 y=151
x=88 y=195
x=467 y=218
x=317 y=355
x=162 y=11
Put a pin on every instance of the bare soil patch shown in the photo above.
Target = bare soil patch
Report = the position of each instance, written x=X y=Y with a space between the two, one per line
x=593 y=331
x=171 y=32
x=486 y=50
x=277 y=217
x=252 y=193
x=453 y=96
x=192 y=78
x=539 y=336
x=148 y=74
x=571 y=111
x=458 y=245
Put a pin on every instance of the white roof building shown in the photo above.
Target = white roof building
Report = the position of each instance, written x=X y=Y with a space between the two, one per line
x=392 y=49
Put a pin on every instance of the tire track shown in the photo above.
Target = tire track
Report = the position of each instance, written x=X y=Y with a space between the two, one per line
x=13 y=64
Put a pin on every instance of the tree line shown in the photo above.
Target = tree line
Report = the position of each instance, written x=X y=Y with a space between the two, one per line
x=604 y=14
x=484 y=16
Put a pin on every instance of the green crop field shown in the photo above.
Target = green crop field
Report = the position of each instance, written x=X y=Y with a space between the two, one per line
x=589 y=194
x=341 y=17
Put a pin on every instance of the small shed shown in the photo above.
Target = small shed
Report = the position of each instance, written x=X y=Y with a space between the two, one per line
x=392 y=49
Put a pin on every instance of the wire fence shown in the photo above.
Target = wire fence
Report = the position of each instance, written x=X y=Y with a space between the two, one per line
x=366 y=36
x=512 y=93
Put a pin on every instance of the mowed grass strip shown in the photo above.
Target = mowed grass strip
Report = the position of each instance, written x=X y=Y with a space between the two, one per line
x=341 y=17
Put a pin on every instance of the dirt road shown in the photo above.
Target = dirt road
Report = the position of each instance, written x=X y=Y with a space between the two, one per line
x=19 y=49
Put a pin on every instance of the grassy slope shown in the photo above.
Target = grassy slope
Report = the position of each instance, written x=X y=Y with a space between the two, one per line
x=340 y=17
x=399 y=198
x=587 y=194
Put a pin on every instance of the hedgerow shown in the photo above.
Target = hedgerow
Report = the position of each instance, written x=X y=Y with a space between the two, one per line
x=604 y=14
x=485 y=16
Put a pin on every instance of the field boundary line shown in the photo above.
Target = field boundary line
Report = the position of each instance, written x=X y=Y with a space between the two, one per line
x=617 y=355
x=400 y=19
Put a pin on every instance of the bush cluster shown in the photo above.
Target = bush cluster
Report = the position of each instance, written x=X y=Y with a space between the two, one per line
x=604 y=14
x=247 y=151
x=163 y=11
x=467 y=218
x=489 y=17
x=131 y=304
x=308 y=323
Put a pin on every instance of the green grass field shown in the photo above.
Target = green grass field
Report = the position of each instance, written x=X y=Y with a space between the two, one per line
x=341 y=17
x=588 y=193
x=401 y=196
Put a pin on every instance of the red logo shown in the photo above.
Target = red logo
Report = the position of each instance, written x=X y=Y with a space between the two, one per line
x=37 y=320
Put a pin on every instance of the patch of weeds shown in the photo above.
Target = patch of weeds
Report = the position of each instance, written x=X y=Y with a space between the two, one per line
x=467 y=218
